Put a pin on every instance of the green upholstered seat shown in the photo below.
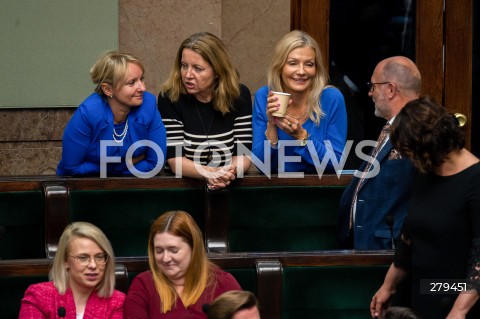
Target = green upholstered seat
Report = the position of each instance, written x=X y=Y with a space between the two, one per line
x=341 y=292
x=283 y=218
x=21 y=213
x=125 y=216
x=246 y=277
x=12 y=291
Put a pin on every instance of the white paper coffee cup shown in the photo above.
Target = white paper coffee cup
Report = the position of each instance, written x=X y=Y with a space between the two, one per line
x=283 y=99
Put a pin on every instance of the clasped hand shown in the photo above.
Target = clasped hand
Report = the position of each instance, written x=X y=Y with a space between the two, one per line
x=222 y=177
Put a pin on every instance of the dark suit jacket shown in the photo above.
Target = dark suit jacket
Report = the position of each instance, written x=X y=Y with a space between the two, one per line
x=388 y=193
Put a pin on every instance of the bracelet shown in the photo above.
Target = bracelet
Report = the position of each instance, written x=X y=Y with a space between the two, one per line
x=303 y=141
x=305 y=136
x=271 y=143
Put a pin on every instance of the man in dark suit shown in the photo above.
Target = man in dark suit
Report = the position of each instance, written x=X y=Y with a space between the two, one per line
x=372 y=209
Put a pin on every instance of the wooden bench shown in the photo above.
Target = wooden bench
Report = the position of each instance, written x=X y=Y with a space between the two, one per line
x=281 y=214
x=22 y=222
x=277 y=214
x=334 y=284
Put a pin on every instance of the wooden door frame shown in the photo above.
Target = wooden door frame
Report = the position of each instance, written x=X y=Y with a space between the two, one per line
x=443 y=47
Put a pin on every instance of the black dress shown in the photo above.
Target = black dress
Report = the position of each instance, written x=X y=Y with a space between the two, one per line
x=441 y=240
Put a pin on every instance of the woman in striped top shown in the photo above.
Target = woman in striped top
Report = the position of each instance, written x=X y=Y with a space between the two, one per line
x=207 y=113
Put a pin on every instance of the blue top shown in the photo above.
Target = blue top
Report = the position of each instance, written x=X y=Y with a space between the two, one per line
x=93 y=122
x=333 y=128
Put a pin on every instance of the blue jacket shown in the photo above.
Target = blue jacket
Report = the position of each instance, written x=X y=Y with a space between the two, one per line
x=388 y=193
x=93 y=122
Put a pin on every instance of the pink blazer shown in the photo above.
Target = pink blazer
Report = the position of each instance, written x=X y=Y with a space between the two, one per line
x=43 y=301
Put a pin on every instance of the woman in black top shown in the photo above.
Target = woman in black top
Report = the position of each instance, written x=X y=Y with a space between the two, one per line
x=440 y=242
x=207 y=113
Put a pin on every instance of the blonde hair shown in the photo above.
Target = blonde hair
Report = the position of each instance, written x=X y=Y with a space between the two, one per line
x=213 y=51
x=291 y=41
x=199 y=273
x=59 y=273
x=112 y=68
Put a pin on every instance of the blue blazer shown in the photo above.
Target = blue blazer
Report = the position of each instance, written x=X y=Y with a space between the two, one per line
x=388 y=193
x=93 y=122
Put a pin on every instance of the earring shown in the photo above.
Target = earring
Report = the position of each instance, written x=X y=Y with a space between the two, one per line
x=111 y=95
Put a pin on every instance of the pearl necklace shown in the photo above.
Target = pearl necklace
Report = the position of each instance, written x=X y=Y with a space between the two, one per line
x=121 y=136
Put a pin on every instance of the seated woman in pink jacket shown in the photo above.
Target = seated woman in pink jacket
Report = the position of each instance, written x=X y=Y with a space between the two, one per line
x=82 y=279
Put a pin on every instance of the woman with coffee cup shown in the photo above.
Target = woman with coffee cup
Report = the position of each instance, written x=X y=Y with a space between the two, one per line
x=207 y=113
x=314 y=126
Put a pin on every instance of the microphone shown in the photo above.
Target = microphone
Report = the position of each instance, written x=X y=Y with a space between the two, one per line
x=62 y=312
x=389 y=220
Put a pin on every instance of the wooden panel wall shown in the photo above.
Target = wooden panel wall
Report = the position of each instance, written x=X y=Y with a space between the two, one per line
x=443 y=47
x=429 y=47
x=312 y=16
x=458 y=59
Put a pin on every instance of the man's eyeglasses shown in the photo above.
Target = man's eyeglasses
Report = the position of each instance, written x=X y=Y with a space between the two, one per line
x=84 y=260
x=371 y=85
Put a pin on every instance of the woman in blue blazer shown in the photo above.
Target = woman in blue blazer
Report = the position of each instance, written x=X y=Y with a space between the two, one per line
x=117 y=130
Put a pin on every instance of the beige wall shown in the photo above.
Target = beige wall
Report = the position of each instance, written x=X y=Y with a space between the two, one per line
x=153 y=30
x=30 y=140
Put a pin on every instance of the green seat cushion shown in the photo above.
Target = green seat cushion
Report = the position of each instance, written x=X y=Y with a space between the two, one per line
x=125 y=216
x=21 y=213
x=341 y=292
x=283 y=218
x=246 y=277
x=12 y=291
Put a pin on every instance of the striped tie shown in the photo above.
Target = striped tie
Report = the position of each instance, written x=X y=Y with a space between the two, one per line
x=380 y=141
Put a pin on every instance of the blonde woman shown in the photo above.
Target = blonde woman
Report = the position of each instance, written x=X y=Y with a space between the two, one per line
x=119 y=112
x=207 y=113
x=82 y=279
x=181 y=278
x=316 y=117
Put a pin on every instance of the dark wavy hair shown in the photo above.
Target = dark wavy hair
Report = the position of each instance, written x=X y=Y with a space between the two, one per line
x=426 y=133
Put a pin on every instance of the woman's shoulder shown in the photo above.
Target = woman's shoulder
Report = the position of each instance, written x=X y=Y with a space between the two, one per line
x=149 y=98
x=244 y=90
x=93 y=107
x=149 y=102
x=472 y=171
x=224 y=278
x=331 y=92
x=166 y=104
x=146 y=112
x=332 y=99
x=144 y=276
x=44 y=289
x=118 y=296
x=92 y=102
x=263 y=91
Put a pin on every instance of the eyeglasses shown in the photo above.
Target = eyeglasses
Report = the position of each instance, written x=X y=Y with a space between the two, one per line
x=84 y=260
x=371 y=85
